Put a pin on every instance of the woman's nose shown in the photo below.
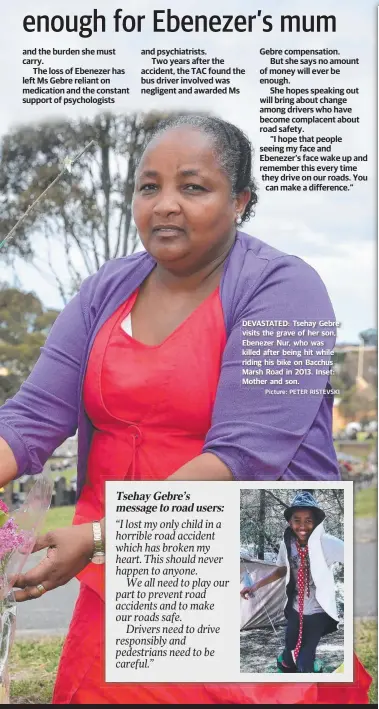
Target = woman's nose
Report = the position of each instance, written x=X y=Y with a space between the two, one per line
x=166 y=203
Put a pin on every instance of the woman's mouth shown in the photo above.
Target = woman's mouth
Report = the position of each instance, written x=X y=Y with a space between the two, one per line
x=168 y=230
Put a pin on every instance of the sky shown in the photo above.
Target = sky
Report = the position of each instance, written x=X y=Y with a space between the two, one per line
x=334 y=232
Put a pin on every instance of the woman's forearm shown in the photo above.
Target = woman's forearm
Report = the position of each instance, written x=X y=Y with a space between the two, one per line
x=206 y=466
x=8 y=464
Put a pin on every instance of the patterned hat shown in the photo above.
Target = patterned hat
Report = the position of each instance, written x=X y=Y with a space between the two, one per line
x=304 y=499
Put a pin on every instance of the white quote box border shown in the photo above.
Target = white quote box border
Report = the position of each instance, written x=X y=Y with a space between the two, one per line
x=226 y=666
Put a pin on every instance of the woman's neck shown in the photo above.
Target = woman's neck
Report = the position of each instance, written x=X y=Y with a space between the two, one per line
x=194 y=278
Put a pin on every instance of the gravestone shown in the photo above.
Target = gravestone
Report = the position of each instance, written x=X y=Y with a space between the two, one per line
x=60 y=492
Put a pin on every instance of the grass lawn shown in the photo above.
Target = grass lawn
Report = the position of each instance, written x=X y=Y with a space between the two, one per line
x=366 y=502
x=58 y=517
x=33 y=667
x=68 y=474
x=34 y=663
x=367 y=651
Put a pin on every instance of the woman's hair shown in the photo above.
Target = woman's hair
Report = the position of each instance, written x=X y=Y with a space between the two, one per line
x=234 y=151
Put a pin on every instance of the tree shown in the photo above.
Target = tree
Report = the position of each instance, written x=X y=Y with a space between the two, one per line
x=358 y=402
x=369 y=337
x=24 y=326
x=262 y=521
x=85 y=218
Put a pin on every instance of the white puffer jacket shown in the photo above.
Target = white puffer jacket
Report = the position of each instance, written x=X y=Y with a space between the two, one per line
x=324 y=551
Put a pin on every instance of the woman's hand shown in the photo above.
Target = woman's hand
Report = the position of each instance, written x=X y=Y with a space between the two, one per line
x=248 y=591
x=69 y=550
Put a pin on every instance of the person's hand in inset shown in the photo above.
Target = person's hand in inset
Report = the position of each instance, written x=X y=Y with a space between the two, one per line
x=248 y=591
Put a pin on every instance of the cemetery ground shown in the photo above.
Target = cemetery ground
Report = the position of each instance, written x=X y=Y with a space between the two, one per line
x=34 y=665
x=58 y=517
x=366 y=502
x=34 y=659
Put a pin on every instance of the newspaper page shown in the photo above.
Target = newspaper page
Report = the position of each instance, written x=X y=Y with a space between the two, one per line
x=188 y=350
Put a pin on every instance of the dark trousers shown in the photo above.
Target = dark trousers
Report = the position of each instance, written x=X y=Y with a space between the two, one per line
x=314 y=627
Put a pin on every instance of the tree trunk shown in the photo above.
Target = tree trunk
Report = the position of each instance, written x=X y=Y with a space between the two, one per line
x=262 y=518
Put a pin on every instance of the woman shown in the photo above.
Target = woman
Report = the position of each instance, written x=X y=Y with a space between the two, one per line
x=305 y=558
x=116 y=366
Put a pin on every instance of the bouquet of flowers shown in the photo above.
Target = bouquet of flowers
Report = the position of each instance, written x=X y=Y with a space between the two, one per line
x=18 y=531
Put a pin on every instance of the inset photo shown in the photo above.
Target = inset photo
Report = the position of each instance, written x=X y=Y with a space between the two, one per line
x=292 y=580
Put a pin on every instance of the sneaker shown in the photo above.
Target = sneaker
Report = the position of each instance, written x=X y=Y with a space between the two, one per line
x=317 y=666
x=284 y=668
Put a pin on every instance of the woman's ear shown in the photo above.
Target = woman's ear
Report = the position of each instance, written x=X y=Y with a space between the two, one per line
x=241 y=202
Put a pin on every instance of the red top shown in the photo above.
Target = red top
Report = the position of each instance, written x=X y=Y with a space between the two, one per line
x=151 y=407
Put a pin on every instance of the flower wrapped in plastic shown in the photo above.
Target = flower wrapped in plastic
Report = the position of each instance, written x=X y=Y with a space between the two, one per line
x=18 y=532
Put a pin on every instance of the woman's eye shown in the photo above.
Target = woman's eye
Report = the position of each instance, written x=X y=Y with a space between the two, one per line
x=148 y=187
x=194 y=188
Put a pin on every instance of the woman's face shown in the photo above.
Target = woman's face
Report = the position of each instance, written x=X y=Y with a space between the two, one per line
x=182 y=204
x=302 y=524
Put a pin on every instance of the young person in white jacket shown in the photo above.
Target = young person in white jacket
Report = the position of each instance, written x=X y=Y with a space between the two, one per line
x=306 y=556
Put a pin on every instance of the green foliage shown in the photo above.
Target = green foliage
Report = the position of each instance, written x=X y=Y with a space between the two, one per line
x=355 y=400
x=24 y=326
x=85 y=217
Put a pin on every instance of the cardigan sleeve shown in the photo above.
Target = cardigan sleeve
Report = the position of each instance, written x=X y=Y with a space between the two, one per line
x=44 y=412
x=255 y=432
